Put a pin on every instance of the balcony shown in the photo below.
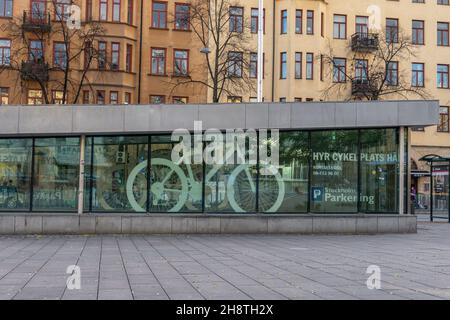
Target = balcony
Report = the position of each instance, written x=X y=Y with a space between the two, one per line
x=365 y=42
x=362 y=88
x=36 y=21
x=34 y=70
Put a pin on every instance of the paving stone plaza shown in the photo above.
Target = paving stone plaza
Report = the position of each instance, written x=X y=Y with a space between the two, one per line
x=413 y=266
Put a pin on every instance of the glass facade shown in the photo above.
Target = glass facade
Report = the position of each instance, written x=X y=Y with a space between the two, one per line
x=329 y=171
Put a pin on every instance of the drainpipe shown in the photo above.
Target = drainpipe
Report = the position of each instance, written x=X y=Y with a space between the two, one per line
x=81 y=177
x=273 y=50
x=140 y=52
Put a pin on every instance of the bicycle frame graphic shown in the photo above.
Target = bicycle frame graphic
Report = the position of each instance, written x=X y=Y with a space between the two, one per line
x=189 y=187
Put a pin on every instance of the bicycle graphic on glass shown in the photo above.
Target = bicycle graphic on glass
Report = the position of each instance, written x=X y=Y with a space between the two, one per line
x=176 y=189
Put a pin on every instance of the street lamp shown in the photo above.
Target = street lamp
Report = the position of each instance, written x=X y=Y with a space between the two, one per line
x=260 y=51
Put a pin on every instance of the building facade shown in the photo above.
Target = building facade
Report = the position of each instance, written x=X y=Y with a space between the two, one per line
x=147 y=46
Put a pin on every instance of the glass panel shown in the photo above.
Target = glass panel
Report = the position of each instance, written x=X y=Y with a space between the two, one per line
x=334 y=171
x=173 y=187
x=288 y=191
x=379 y=170
x=56 y=167
x=120 y=174
x=230 y=185
x=15 y=174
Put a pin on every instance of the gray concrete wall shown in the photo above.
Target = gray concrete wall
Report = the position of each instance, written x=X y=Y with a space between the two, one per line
x=121 y=119
x=205 y=224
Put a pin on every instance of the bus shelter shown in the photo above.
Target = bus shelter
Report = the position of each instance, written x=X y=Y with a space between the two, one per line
x=439 y=195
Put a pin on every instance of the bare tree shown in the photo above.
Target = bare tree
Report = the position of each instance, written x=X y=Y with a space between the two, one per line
x=224 y=34
x=68 y=71
x=372 y=68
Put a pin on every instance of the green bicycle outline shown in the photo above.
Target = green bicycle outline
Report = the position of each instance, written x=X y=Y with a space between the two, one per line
x=190 y=187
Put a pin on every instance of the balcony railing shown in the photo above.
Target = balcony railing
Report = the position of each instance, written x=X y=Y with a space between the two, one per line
x=365 y=41
x=36 y=21
x=34 y=70
x=362 y=87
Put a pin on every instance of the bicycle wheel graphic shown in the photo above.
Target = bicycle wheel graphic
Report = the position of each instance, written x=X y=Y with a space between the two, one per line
x=168 y=189
x=241 y=190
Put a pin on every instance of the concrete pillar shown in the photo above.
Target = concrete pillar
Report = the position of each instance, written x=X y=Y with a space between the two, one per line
x=81 y=177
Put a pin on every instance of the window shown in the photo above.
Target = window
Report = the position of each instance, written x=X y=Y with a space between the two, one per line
x=418 y=32
x=283 y=99
x=442 y=34
x=392 y=73
x=236 y=19
x=86 y=97
x=103 y=10
x=444 y=2
x=57 y=96
x=443 y=120
x=339 y=70
x=181 y=62
x=158 y=61
x=309 y=66
x=115 y=56
x=101 y=55
x=339 y=26
x=6 y=8
x=130 y=12
x=418 y=75
x=182 y=16
x=310 y=22
x=180 y=100
x=129 y=58
x=442 y=76
x=157 y=99
x=391 y=30
x=61 y=9
x=88 y=54
x=361 y=69
x=88 y=10
x=35 y=97
x=127 y=98
x=38 y=10
x=55 y=182
x=254 y=23
x=116 y=10
x=298 y=65
x=336 y=175
x=5 y=52
x=36 y=53
x=235 y=61
x=159 y=15
x=299 y=21
x=362 y=25
x=113 y=97
x=100 y=96
x=284 y=22
x=60 y=55
x=4 y=95
x=283 y=65
x=253 y=68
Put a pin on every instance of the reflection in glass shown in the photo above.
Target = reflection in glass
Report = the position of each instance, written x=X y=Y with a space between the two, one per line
x=294 y=167
x=115 y=160
x=56 y=167
x=173 y=187
x=15 y=173
x=379 y=170
x=334 y=180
